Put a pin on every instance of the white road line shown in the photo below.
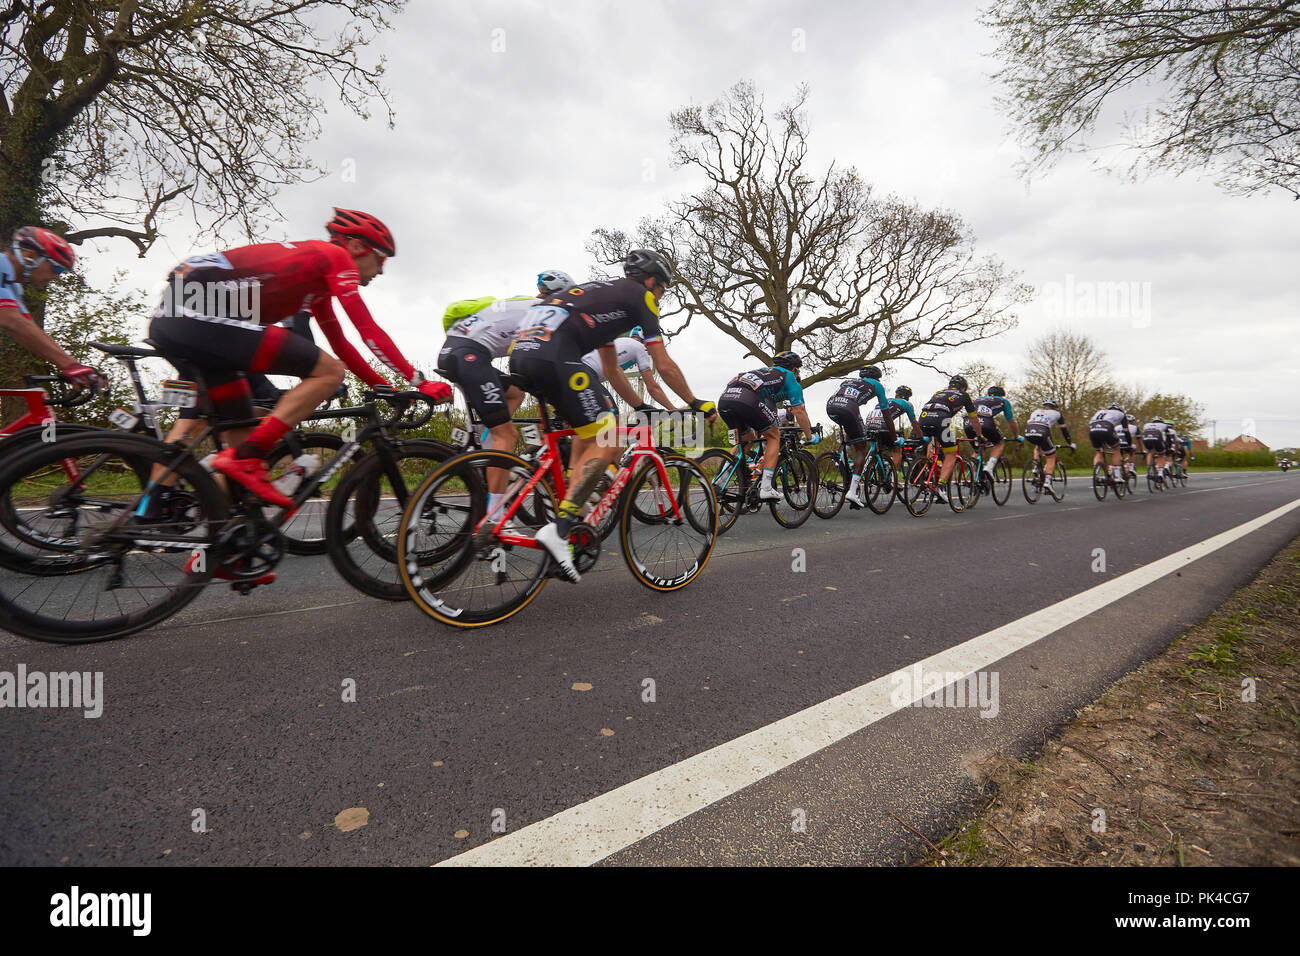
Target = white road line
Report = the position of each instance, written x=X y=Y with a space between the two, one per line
x=589 y=832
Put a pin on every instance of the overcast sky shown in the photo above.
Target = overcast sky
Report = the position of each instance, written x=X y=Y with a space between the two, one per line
x=522 y=126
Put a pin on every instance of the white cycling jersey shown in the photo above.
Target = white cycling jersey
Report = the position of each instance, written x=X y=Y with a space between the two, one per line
x=494 y=325
x=631 y=354
x=1046 y=416
x=1109 y=416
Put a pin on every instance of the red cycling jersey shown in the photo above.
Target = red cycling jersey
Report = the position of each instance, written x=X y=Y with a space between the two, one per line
x=286 y=277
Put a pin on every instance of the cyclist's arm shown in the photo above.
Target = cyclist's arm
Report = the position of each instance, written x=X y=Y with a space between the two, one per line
x=329 y=324
x=614 y=375
x=23 y=330
x=655 y=389
x=801 y=415
x=672 y=375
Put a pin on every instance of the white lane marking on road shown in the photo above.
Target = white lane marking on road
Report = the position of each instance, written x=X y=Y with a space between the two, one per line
x=249 y=617
x=589 y=832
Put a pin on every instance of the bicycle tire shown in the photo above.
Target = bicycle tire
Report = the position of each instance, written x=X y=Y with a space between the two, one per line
x=832 y=485
x=958 y=486
x=361 y=531
x=698 y=505
x=1099 y=485
x=796 y=478
x=728 y=494
x=1002 y=483
x=94 y=569
x=444 y=590
x=881 y=481
x=304 y=532
x=1028 y=477
x=918 y=496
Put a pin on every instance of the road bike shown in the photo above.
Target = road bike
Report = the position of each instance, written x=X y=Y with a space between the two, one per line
x=920 y=486
x=1034 y=479
x=1103 y=481
x=104 y=567
x=736 y=480
x=997 y=485
x=835 y=474
x=466 y=567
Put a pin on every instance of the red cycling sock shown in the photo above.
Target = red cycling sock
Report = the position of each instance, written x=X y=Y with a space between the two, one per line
x=263 y=439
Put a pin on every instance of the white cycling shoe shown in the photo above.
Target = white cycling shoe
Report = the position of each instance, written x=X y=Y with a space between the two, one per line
x=558 y=548
x=768 y=494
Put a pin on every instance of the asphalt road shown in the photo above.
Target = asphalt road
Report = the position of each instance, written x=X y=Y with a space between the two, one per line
x=235 y=708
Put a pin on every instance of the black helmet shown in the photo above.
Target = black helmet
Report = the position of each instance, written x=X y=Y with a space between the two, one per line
x=643 y=263
x=787 y=360
x=902 y=392
x=997 y=391
x=871 y=371
x=957 y=381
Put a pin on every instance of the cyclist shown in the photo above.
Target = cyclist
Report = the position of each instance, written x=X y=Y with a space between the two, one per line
x=630 y=353
x=479 y=331
x=937 y=423
x=1130 y=440
x=884 y=436
x=547 y=353
x=748 y=404
x=989 y=406
x=1103 y=432
x=551 y=280
x=36 y=257
x=845 y=409
x=1038 y=432
x=1153 y=440
x=219 y=314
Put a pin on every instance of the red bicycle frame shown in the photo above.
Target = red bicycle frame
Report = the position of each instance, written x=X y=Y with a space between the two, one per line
x=550 y=462
x=38 y=416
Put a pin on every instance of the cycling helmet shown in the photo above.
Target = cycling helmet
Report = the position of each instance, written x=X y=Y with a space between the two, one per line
x=1131 y=418
x=553 y=280
x=643 y=263
x=46 y=245
x=349 y=223
x=1158 y=419
x=1116 y=406
x=871 y=371
x=1050 y=403
x=902 y=392
x=636 y=333
x=787 y=360
x=957 y=381
x=997 y=391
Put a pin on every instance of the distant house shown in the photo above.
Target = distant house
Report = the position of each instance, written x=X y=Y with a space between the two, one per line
x=1200 y=444
x=1245 y=443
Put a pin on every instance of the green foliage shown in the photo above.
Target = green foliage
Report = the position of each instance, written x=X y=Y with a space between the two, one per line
x=1218 y=458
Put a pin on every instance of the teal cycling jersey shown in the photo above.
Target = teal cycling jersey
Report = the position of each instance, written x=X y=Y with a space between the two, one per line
x=773 y=384
x=991 y=406
x=855 y=392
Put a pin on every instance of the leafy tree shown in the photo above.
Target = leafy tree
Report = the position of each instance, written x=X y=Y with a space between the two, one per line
x=1222 y=81
x=778 y=256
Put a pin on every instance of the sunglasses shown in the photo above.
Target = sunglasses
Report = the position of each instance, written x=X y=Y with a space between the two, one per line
x=58 y=269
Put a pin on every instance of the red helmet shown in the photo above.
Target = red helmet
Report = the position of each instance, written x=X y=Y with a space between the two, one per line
x=363 y=226
x=46 y=244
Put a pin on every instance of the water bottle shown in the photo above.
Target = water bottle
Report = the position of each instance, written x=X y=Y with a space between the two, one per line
x=207 y=463
x=303 y=466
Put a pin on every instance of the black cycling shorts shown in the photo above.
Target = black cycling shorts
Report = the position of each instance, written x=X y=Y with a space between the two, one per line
x=1103 y=436
x=220 y=352
x=572 y=388
x=744 y=410
x=469 y=365
x=850 y=419
x=882 y=438
x=1153 y=444
x=940 y=429
x=1042 y=439
x=989 y=431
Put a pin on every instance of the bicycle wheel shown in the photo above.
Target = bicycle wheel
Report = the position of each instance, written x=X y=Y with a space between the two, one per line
x=365 y=509
x=917 y=493
x=102 y=572
x=1131 y=481
x=960 y=495
x=304 y=533
x=1120 y=488
x=796 y=478
x=1099 y=484
x=832 y=485
x=880 y=479
x=724 y=475
x=669 y=552
x=448 y=573
x=1001 y=483
x=1059 y=478
x=1031 y=482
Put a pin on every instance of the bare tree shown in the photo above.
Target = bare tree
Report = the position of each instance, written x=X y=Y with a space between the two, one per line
x=1227 y=78
x=779 y=257
x=1070 y=368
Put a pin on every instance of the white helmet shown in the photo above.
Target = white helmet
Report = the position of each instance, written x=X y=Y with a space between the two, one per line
x=553 y=280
